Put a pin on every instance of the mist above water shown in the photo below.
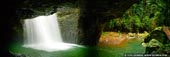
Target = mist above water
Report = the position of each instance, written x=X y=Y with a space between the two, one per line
x=43 y=33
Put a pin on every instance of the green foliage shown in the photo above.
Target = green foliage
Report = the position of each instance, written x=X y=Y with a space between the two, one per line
x=104 y=33
x=158 y=38
x=119 y=32
x=154 y=43
x=166 y=13
x=144 y=16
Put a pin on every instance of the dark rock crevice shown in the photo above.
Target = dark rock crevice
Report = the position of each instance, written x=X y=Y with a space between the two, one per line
x=94 y=14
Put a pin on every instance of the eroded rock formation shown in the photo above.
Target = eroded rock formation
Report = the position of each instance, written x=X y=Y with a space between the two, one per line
x=95 y=13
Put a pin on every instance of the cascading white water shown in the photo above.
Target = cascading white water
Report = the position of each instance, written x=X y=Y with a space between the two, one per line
x=43 y=33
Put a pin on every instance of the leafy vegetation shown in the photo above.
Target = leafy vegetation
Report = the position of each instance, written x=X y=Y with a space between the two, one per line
x=145 y=16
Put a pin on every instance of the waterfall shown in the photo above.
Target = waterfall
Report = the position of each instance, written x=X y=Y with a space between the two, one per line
x=43 y=33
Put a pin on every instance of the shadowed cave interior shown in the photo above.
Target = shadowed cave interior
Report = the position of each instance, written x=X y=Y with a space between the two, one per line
x=85 y=28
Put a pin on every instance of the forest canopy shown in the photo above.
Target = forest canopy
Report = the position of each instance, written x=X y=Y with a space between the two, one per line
x=145 y=16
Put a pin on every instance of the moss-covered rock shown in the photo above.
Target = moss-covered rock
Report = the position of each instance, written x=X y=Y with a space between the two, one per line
x=157 y=42
x=68 y=21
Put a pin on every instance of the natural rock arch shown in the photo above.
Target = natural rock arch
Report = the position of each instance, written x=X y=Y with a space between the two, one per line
x=94 y=14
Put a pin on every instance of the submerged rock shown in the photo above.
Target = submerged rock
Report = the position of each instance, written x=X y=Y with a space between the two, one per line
x=18 y=55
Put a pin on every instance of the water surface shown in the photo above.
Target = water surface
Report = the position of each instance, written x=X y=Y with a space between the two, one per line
x=131 y=47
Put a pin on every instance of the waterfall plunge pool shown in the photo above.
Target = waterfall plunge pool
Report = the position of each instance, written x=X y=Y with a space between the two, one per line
x=43 y=33
x=42 y=39
x=98 y=51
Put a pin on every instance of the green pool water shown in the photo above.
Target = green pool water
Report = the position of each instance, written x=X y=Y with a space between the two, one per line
x=131 y=47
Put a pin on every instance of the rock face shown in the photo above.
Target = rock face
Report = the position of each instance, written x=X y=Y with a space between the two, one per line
x=94 y=14
x=32 y=8
x=68 y=21
x=26 y=9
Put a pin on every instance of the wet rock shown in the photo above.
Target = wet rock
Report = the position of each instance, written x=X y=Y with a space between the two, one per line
x=68 y=21
x=19 y=55
x=157 y=42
